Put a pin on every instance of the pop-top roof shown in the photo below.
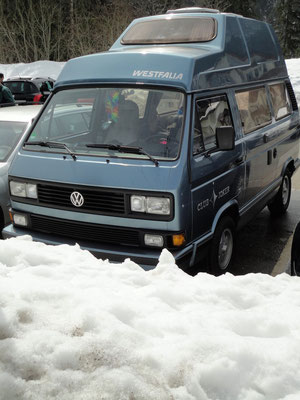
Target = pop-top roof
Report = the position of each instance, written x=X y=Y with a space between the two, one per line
x=189 y=49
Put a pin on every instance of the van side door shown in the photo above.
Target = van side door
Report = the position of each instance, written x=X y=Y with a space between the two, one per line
x=256 y=119
x=284 y=136
x=216 y=176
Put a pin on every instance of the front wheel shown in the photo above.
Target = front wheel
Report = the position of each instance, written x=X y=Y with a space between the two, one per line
x=222 y=245
x=281 y=201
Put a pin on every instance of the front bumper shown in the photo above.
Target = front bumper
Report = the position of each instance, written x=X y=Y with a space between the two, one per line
x=146 y=258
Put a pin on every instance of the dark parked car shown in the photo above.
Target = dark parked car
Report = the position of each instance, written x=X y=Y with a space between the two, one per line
x=30 y=90
x=295 y=253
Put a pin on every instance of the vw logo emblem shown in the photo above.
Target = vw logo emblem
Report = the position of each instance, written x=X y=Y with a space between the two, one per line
x=76 y=199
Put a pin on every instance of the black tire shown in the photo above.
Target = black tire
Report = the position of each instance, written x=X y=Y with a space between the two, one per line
x=222 y=247
x=295 y=252
x=281 y=201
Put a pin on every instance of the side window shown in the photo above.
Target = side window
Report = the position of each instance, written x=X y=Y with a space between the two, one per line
x=26 y=88
x=210 y=113
x=32 y=88
x=254 y=109
x=65 y=124
x=170 y=102
x=280 y=100
x=72 y=124
x=139 y=97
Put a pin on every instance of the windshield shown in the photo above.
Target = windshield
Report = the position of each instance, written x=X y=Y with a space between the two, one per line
x=88 y=120
x=10 y=134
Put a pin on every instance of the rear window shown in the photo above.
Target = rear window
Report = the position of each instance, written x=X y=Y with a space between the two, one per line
x=174 y=30
x=280 y=99
x=19 y=87
x=254 y=109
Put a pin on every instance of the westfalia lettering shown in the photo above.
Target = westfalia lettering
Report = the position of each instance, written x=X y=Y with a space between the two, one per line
x=157 y=74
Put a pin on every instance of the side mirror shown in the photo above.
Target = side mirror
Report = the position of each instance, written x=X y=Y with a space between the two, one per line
x=225 y=136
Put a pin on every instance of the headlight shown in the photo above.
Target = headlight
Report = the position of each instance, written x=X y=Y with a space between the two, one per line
x=154 y=240
x=158 y=205
x=20 y=219
x=138 y=203
x=17 y=189
x=31 y=190
x=22 y=189
x=150 y=205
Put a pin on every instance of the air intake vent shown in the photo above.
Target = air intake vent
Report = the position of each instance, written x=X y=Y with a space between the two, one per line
x=191 y=10
x=85 y=231
x=292 y=96
x=95 y=200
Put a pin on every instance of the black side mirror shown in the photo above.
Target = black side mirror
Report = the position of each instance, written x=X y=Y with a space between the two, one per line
x=225 y=136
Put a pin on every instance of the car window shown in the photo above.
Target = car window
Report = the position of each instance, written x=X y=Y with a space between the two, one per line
x=31 y=88
x=82 y=118
x=140 y=98
x=280 y=100
x=10 y=134
x=169 y=103
x=210 y=113
x=254 y=109
x=16 y=87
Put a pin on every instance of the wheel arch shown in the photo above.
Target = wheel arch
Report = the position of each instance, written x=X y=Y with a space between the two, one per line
x=230 y=209
x=288 y=165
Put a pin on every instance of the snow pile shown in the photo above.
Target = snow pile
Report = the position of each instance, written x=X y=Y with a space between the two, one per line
x=74 y=327
x=293 y=66
x=47 y=69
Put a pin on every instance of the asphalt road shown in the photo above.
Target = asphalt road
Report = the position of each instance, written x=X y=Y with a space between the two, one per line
x=264 y=245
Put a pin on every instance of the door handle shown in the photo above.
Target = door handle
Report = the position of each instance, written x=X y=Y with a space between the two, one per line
x=239 y=160
x=269 y=157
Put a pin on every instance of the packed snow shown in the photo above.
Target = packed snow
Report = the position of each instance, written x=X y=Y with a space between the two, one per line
x=73 y=327
x=38 y=69
x=293 y=66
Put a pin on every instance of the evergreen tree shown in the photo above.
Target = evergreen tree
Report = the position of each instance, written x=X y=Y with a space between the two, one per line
x=246 y=8
x=287 y=14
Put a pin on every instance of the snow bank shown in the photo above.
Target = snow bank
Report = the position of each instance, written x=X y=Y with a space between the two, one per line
x=74 y=327
x=48 y=69
x=293 y=66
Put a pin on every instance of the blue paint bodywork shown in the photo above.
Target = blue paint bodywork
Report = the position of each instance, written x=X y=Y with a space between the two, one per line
x=204 y=188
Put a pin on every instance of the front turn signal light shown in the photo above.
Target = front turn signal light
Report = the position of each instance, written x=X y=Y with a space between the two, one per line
x=178 y=240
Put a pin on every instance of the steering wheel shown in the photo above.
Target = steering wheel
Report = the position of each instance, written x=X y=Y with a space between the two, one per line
x=161 y=144
x=157 y=138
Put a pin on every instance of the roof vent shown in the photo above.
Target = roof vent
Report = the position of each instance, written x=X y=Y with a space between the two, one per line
x=191 y=10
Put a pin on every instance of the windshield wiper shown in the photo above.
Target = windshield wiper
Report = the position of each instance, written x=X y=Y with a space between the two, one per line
x=103 y=146
x=123 y=149
x=55 y=145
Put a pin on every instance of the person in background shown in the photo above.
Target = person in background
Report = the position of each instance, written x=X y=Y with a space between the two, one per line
x=6 y=96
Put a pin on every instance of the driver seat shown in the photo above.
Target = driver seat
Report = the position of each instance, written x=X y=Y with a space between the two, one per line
x=126 y=131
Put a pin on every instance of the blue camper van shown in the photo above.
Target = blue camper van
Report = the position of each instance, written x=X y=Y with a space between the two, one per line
x=174 y=138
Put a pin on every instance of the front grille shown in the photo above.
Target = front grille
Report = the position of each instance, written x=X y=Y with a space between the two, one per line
x=85 y=231
x=95 y=200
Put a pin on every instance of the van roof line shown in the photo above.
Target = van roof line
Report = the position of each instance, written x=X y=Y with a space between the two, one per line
x=190 y=10
x=201 y=10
